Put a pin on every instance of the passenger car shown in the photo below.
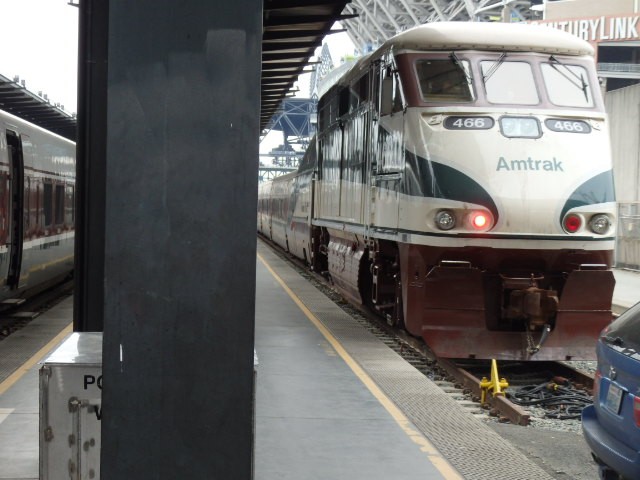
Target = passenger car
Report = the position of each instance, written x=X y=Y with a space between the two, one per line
x=612 y=424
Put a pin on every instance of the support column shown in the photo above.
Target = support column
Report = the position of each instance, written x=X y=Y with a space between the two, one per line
x=506 y=13
x=180 y=210
x=88 y=307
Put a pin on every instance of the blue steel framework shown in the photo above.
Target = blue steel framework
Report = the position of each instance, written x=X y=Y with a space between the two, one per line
x=295 y=119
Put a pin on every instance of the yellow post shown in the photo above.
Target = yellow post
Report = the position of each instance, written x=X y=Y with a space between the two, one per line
x=496 y=384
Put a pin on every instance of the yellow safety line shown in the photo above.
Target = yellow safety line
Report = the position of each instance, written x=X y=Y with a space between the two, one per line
x=25 y=367
x=443 y=466
x=42 y=266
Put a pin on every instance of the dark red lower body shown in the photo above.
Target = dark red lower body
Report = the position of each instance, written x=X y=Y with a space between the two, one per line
x=456 y=300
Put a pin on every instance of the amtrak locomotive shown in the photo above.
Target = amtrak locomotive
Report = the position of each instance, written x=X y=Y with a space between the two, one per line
x=460 y=184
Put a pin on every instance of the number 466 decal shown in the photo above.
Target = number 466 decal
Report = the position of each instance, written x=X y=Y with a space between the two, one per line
x=468 y=123
x=569 y=126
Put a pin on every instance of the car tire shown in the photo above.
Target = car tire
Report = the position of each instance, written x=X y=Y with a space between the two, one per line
x=607 y=474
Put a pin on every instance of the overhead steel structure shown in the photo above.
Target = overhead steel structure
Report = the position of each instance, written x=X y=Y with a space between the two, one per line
x=34 y=108
x=321 y=71
x=295 y=119
x=376 y=21
x=266 y=174
x=292 y=30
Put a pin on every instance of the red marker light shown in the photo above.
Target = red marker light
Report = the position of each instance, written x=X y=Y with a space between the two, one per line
x=479 y=220
x=572 y=223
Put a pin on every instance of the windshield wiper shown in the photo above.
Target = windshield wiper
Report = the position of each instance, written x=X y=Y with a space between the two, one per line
x=495 y=67
x=582 y=86
x=617 y=341
x=456 y=61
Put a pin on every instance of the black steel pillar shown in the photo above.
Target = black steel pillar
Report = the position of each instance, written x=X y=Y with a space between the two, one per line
x=88 y=311
x=179 y=277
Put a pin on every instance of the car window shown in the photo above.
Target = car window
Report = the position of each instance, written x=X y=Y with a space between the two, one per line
x=627 y=328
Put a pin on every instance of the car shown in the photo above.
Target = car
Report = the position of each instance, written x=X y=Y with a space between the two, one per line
x=611 y=426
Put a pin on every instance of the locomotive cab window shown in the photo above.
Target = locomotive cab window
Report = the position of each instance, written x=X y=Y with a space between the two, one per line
x=567 y=85
x=508 y=82
x=444 y=80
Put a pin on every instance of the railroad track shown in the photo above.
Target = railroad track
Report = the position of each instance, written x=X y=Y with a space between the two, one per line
x=556 y=382
x=15 y=315
x=462 y=378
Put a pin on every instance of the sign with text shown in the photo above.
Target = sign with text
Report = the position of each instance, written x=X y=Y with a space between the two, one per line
x=599 y=29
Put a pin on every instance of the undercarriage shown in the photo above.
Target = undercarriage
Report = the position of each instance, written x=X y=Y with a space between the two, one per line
x=480 y=303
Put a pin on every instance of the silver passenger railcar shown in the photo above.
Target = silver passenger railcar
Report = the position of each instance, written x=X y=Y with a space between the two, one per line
x=37 y=207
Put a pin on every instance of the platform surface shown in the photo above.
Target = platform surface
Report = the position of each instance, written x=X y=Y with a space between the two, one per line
x=457 y=444
x=315 y=418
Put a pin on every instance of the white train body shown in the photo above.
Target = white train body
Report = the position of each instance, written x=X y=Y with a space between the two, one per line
x=463 y=187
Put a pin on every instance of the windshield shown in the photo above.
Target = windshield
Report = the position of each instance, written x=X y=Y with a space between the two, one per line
x=625 y=330
x=444 y=80
x=567 y=85
x=509 y=82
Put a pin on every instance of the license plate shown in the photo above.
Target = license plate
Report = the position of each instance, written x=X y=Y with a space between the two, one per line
x=614 y=398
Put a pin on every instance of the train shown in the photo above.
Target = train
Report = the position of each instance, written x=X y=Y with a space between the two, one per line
x=37 y=209
x=460 y=184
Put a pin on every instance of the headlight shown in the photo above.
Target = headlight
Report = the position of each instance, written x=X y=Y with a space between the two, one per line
x=445 y=220
x=520 y=127
x=600 y=224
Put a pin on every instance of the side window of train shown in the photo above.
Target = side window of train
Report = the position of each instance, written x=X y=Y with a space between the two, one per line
x=359 y=92
x=343 y=107
x=323 y=115
x=28 y=153
x=27 y=205
x=47 y=203
x=4 y=202
x=69 y=205
x=59 y=205
x=37 y=205
x=329 y=109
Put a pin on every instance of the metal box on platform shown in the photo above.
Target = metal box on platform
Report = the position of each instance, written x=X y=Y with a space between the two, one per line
x=70 y=409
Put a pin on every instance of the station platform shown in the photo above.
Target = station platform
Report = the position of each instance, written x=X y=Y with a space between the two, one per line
x=332 y=400
x=627 y=291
